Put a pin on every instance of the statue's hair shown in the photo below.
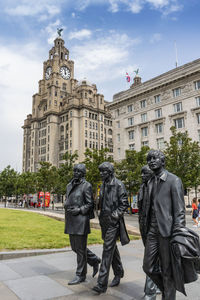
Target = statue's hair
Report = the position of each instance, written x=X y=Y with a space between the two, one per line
x=108 y=166
x=157 y=153
x=146 y=168
x=80 y=167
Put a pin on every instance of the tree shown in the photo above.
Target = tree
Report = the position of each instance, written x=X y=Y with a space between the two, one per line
x=129 y=169
x=65 y=172
x=93 y=158
x=183 y=158
x=47 y=178
x=7 y=182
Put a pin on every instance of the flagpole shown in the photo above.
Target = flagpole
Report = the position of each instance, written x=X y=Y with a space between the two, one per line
x=176 y=64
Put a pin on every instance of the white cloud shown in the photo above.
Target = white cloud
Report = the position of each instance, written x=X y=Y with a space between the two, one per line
x=80 y=35
x=156 y=37
x=106 y=57
x=41 y=9
x=18 y=82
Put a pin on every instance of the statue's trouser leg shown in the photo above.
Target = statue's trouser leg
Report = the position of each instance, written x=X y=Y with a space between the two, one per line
x=150 y=287
x=156 y=248
x=110 y=233
x=79 y=246
x=92 y=259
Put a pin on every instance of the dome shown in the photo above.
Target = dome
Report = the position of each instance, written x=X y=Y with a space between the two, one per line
x=84 y=82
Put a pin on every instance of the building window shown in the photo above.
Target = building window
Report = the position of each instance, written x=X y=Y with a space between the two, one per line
x=176 y=92
x=198 y=101
x=144 y=131
x=118 y=137
x=197 y=85
x=86 y=113
x=131 y=135
x=143 y=117
x=85 y=123
x=130 y=108
x=159 y=128
x=145 y=143
x=118 y=150
x=158 y=113
x=157 y=99
x=199 y=134
x=70 y=113
x=198 y=118
x=160 y=143
x=131 y=146
x=178 y=107
x=143 y=103
x=130 y=121
x=179 y=123
x=70 y=123
x=85 y=133
x=118 y=124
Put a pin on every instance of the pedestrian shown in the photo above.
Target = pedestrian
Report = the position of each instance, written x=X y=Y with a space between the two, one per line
x=198 y=210
x=79 y=207
x=113 y=204
x=195 y=213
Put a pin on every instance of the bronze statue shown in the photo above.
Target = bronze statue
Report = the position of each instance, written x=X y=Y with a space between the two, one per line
x=79 y=207
x=113 y=203
x=168 y=242
x=150 y=288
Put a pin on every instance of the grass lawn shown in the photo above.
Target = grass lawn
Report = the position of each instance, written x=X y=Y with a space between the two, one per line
x=26 y=230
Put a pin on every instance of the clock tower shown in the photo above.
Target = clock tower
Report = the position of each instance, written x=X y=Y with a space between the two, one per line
x=61 y=112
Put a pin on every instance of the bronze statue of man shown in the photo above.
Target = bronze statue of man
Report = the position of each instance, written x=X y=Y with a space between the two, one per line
x=79 y=207
x=166 y=213
x=150 y=288
x=113 y=203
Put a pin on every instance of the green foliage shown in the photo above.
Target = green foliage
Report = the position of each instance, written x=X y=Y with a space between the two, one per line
x=65 y=172
x=93 y=158
x=183 y=158
x=129 y=169
x=8 y=179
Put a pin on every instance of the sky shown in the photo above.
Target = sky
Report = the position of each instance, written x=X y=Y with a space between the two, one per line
x=106 y=39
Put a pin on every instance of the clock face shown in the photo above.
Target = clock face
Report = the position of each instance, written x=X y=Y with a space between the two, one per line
x=65 y=72
x=48 y=73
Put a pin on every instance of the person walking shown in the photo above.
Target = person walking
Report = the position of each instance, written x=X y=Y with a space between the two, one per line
x=195 y=213
x=79 y=207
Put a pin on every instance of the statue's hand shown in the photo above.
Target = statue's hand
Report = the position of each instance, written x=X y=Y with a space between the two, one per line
x=75 y=211
x=65 y=205
x=115 y=215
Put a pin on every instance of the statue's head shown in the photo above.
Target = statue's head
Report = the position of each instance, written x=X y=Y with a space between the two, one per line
x=106 y=170
x=146 y=173
x=155 y=159
x=79 y=171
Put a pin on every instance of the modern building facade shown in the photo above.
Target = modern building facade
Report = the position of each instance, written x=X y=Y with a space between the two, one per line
x=143 y=114
x=67 y=115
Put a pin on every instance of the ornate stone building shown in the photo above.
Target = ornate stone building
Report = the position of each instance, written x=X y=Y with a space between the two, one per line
x=67 y=115
x=143 y=114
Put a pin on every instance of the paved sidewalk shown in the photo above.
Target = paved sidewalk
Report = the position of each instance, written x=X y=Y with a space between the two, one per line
x=46 y=277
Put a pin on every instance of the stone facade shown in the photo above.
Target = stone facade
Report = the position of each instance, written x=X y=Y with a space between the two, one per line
x=67 y=115
x=143 y=114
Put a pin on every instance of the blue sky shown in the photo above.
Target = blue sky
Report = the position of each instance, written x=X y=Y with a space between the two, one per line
x=106 y=39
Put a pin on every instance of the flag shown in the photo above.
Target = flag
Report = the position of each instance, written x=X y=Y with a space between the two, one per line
x=128 y=78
